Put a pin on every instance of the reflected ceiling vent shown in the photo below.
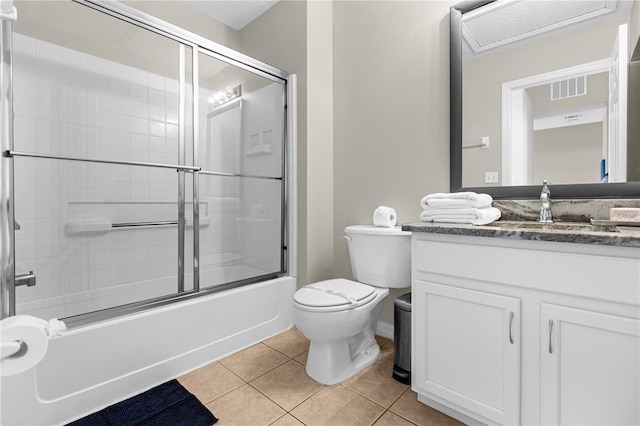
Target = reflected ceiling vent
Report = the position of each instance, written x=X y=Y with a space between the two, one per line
x=568 y=88
x=507 y=21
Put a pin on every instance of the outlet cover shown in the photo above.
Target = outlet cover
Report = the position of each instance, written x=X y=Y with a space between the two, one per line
x=491 y=177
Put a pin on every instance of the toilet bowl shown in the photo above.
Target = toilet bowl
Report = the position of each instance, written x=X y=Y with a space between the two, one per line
x=340 y=316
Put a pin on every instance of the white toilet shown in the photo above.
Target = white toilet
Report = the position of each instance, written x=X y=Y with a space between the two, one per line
x=340 y=316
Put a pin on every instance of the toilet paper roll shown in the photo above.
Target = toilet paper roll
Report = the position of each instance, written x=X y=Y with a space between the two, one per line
x=30 y=333
x=385 y=216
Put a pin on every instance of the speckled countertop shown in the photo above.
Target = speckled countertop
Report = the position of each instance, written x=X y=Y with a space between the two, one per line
x=519 y=221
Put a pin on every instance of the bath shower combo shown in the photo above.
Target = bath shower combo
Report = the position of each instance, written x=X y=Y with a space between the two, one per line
x=149 y=171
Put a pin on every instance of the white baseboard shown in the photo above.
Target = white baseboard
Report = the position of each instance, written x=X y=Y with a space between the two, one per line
x=385 y=330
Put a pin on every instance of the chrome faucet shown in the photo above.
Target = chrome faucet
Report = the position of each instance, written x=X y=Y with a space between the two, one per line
x=545 y=204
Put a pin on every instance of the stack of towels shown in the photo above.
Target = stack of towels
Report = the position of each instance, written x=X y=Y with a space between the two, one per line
x=459 y=207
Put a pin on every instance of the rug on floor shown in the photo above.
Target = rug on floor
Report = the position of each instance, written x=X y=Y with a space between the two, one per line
x=169 y=404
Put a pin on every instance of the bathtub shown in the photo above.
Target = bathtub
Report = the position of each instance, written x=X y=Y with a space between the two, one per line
x=91 y=367
x=214 y=270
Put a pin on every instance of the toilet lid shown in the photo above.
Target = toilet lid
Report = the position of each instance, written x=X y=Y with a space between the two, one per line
x=333 y=293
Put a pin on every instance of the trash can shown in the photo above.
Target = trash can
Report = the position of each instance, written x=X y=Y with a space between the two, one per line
x=402 y=339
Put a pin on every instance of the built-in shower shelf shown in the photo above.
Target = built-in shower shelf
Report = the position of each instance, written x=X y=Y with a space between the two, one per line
x=103 y=226
x=95 y=226
x=263 y=149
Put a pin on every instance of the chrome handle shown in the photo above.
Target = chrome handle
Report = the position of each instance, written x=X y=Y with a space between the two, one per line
x=25 y=279
x=511 y=328
x=550 y=331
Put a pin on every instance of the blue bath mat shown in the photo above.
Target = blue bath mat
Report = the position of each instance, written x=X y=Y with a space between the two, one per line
x=169 y=404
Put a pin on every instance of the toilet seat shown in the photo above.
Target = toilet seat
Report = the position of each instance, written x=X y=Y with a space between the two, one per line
x=334 y=295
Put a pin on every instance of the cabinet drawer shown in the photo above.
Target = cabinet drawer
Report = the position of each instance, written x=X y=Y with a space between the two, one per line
x=597 y=276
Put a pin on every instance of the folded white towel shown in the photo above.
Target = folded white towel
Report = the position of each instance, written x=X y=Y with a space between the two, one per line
x=456 y=200
x=481 y=216
x=461 y=211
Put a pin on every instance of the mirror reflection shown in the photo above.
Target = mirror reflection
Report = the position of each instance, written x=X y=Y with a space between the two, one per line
x=545 y=93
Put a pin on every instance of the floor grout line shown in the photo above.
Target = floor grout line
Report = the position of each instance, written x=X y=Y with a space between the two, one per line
x=383 y=365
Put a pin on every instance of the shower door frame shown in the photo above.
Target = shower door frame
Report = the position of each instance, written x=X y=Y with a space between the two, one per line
x=198 y=45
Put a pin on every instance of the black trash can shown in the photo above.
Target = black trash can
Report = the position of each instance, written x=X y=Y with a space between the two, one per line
x=402 y=339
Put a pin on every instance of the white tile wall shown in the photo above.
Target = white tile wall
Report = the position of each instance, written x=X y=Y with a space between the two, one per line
x=74 y=104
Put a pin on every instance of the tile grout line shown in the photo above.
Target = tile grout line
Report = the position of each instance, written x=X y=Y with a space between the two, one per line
x=288 y=358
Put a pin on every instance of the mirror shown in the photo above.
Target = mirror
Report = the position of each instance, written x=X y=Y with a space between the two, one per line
x=528 y=108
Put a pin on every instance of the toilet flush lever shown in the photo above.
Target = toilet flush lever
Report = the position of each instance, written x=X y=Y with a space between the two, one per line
x=347 y=237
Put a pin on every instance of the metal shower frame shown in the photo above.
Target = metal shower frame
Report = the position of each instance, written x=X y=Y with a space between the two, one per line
x=198 y=45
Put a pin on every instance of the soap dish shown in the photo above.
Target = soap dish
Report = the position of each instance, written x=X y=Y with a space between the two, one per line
x=626 y=214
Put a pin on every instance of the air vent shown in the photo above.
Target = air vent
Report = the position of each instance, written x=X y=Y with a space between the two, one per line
x=507 y=21
x=576 y=86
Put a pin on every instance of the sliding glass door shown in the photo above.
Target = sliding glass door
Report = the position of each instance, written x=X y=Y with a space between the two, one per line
x=146 y=166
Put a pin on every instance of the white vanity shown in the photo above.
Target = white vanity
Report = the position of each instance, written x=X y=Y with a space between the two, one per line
x=526 y=326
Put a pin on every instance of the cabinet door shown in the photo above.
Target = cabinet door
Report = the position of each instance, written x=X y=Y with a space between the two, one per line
x=590 y=368
x=468 y=350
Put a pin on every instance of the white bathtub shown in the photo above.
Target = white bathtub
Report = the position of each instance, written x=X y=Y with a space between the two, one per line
x=92 y=367
x=222 y=268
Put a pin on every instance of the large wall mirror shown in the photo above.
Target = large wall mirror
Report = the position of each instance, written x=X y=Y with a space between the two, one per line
x=546 y=90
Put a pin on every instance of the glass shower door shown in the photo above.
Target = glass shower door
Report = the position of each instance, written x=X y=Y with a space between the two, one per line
x=240 y=152
x=101 y=229
x=147 y=167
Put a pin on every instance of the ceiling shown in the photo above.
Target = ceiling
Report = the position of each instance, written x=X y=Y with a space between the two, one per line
x=234 y=13
x=505 y=22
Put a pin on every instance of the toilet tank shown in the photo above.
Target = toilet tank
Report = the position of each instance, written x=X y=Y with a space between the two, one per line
x=380 y=256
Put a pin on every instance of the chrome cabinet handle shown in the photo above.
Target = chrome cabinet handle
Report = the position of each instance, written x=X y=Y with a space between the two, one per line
x=511 y=328
x=550 y=331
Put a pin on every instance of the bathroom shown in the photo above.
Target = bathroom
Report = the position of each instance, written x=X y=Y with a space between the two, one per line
x=379 y=136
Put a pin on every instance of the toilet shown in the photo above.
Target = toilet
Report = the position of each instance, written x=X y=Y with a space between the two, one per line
x=340 y=316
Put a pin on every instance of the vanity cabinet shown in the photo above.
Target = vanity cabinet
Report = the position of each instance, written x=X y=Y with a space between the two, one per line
x=589 y=367
x=526 y=332
x=471 y=348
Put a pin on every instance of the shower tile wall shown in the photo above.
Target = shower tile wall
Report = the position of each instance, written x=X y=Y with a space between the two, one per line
x=74 y=104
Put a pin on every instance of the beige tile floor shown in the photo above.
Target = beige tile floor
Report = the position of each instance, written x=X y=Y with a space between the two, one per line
x=266 y=384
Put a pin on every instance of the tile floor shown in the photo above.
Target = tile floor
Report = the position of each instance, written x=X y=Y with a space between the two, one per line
x=266 y=384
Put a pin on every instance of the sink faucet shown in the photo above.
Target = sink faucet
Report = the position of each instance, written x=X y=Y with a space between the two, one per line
x=545 y=204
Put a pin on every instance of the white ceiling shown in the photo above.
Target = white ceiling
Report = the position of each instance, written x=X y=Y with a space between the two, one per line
x=505 y=22
x=233 y=13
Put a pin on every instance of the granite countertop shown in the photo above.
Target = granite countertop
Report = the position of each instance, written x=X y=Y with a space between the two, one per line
x=566 y=232
x=519 y=222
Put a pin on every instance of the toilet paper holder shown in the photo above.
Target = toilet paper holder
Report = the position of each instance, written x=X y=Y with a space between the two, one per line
x=25 y=279
x=11 y=348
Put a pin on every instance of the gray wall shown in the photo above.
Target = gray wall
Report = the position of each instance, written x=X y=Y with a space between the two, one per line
x=391 y=112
